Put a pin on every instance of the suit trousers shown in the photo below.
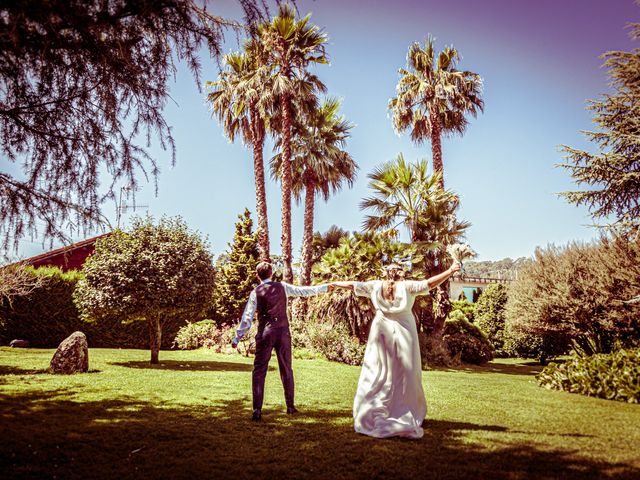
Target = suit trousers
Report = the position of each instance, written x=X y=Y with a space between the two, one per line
x=270 y=338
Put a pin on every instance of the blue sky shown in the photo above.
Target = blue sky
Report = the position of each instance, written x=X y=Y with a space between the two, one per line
x=539 y=63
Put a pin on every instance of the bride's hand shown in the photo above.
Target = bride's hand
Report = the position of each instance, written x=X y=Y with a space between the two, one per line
x=454 y=268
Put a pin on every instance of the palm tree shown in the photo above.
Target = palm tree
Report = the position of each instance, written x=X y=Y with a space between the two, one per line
x=405 y=194
x=320 y=165
x=402 y=193
x=433 y=98
x=240 y=99
x=290 y=45
x=440 y=227
x=327 y=240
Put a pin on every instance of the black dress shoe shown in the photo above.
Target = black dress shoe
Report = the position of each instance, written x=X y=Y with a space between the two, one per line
x=291 y=410
x=257 y=415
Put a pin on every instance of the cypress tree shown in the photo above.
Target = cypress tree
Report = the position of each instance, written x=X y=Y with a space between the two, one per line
x=236 y=275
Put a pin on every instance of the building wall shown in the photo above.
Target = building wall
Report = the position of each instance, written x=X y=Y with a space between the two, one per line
x=458 y=285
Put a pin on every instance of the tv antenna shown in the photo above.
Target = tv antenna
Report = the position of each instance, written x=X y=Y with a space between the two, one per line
x=121 y=207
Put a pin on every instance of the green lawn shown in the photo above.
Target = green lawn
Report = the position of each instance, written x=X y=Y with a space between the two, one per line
x=189 y=417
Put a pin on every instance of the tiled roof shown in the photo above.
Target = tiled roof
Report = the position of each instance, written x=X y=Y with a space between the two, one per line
x=63 y=250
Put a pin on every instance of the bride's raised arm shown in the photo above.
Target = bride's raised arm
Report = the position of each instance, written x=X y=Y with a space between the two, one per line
x=361 y=289
x=421 y=287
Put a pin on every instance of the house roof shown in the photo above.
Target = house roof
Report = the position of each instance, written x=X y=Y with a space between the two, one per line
x=67 y=249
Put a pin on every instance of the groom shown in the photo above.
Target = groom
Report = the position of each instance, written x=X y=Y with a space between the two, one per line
x=269 y=299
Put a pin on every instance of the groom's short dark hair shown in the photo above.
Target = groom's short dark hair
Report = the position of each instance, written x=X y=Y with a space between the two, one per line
x=264 y=270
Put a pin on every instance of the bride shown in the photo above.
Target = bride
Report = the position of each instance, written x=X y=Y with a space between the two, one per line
x=390 y=400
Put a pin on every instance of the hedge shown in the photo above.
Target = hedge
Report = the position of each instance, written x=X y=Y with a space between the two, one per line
x=48 y=315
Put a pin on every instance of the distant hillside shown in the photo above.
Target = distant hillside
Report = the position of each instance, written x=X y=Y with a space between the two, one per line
x=505 y=268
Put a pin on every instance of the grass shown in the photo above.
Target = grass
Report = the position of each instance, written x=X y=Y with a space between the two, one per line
x=189 y=417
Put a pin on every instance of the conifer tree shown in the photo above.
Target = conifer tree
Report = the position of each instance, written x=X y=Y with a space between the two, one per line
x=237 y=275
x=611 y=177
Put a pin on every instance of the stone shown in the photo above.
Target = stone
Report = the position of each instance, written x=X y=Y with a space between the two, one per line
x=72 y=355
x=19 y=343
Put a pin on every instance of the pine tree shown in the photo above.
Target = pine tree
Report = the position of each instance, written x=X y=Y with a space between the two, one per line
x=237 y=275
x=613 y=174
x=84 y=88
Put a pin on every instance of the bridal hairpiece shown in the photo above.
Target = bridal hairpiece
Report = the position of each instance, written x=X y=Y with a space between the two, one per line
x=397 y=262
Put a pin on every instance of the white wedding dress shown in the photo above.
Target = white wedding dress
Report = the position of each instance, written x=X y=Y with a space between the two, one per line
x=390 y=400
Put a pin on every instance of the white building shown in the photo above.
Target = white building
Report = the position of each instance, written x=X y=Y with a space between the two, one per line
x=458 y=285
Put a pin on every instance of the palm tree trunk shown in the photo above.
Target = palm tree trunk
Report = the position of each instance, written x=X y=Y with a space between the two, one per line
x=155 y=339
x=436 y=146
x=307 y=238
x=285 y=175
x=441 y=297
x=443 y=308
x=261 y=197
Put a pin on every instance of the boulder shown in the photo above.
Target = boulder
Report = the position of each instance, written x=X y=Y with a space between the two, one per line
x=72 y=355
x=19 y=343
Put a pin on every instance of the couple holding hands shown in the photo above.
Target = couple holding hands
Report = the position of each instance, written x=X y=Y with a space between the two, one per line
x=389 y=400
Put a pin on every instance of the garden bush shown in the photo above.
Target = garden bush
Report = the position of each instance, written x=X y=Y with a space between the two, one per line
x=613 y=376
x=489 y=316
x=205 y=333
x=579 y=292
x=541 y=346
x=332 y=341
x=465 y=307
x=342 y=307
x=47 y=315
x=466 y=341
x=434 y=352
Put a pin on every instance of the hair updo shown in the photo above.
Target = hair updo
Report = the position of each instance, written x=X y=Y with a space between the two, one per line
x=391 y=274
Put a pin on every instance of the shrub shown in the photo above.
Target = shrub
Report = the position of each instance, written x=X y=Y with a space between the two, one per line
x=540 y=346
x=614 y=376
x=578 y=292
x=457 y=315
x=360 y=258
x=466 y=341
x=465 y=307
x=434 y=352
x=47 y=315
x=490 y=315
x=204 y=333
x=342 y=307
x=334 y=342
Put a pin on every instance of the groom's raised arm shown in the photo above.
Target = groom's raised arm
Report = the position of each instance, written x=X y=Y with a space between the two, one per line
x=247 y=318
x=303 y=291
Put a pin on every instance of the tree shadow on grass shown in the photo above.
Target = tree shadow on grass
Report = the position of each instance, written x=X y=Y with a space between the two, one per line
x=10 y=370
x=190 y=365
x=128 y=438
x=520 y=368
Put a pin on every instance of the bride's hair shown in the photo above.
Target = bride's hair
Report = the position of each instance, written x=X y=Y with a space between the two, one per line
x=391 y=274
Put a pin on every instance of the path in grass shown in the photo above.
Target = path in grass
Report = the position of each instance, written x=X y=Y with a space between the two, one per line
x=189 y=417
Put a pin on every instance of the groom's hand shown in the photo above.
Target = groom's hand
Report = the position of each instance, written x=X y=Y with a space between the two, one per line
x=331 y=287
